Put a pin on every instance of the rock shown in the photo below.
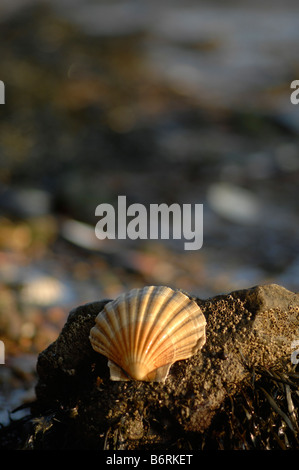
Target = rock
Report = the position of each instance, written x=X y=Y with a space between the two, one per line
x=245 y=330
x=68 y=360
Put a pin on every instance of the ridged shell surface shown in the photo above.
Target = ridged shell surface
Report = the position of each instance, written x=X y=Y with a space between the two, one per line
x=144 y=331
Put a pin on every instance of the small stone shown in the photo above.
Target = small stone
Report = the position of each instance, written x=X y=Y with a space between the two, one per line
x=135 y=428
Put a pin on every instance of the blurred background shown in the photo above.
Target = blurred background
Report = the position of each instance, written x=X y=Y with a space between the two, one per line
x=161 y=101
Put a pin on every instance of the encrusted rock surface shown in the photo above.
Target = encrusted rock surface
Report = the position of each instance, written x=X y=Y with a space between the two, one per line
x=245 y=329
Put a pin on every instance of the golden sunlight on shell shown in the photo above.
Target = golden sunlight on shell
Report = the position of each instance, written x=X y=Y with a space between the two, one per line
x=144 y=331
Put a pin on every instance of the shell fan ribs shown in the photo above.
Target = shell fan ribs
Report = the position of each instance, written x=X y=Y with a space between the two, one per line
x=144 y=331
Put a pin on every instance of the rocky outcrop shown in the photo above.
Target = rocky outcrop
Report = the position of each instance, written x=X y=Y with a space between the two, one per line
x=246 y=330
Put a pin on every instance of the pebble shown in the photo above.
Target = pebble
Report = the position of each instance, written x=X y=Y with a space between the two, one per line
x=234 y=203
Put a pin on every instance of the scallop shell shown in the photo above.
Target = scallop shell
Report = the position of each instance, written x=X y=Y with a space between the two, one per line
x=144 y=331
